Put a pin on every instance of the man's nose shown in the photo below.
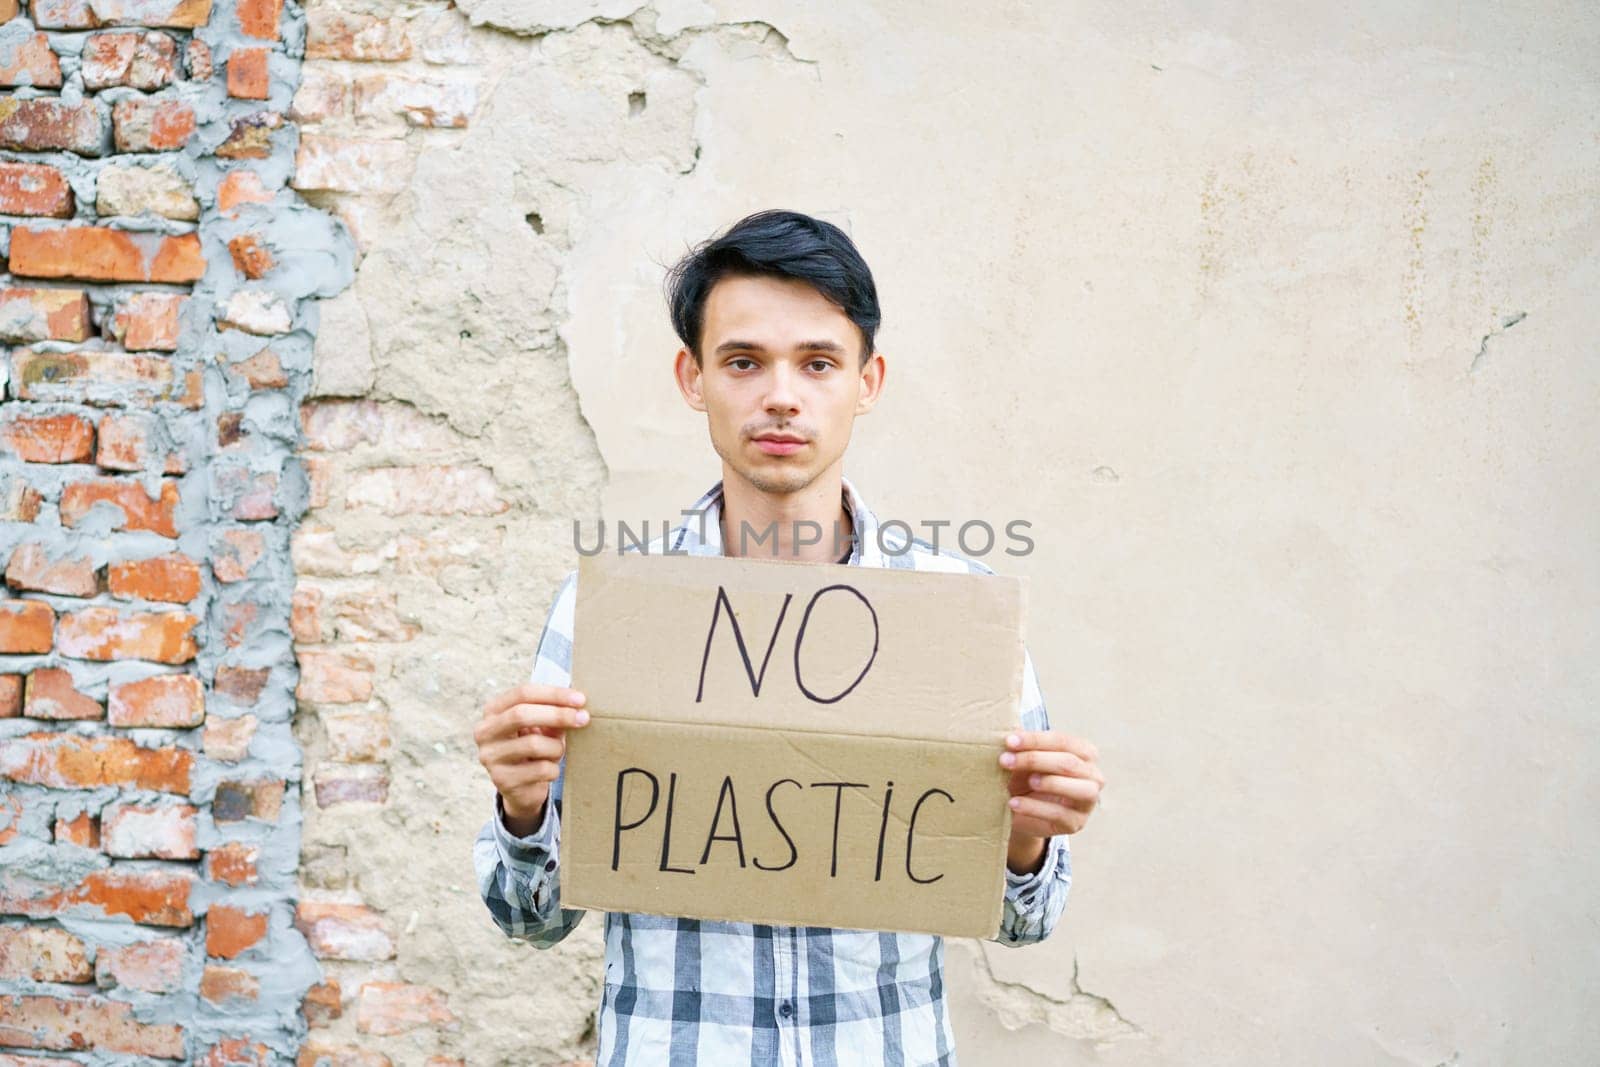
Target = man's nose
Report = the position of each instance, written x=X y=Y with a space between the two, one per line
x=781 y=396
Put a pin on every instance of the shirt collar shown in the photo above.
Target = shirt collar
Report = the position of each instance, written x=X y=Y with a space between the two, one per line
x=701 y=532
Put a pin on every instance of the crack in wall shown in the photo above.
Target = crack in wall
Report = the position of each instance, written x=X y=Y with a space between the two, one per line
x=1082 y=1015
x=1483 y=346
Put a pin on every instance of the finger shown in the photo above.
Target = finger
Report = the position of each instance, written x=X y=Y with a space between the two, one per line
x=1021 y=740
x=1051 y=761
x=522 y=717
x=514 y=776
x=1083 y=793
x=523 y=749
x=533 y=693
x=1057 y=818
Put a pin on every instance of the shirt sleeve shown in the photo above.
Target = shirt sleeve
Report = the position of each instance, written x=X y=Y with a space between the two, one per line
x=519 y=878
x=1034 y=902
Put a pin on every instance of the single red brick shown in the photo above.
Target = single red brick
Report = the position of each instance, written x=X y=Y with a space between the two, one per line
x=173 y=701
x=154 y=966
x=251 y=137
x=142 y=831
x=221 y=985
x=350 y=783
x=247 y=73
x=72 y=761
x=259 y=798
x=26 y=626
x=234 y=553
x=141 y=60
x=239 y=188
x=237 y=1052
x=9 y=9
x=241 y=684
x=50 y=438
x=339 y=931
x=316 y=1054
x=151 y=125
x=28 y=60
x=42 y=954
x=176 y=14
x=10 y=696
x=228 y=740
x=259 y=18
x=45 y=124
x=172 y=579
x=96 y=253
x=155 y=897
x=387 y=1008
x=84 y=1023
x=233 y=931
x=146 y=321
x=32 y=568
x=334 y=34
x=10 y=818
x=152 y=897
x=139 y=511
x=262 y=370
x=34 y=189
x=105 y=634
x=29 y=315
x=334 y=678
x=248 y=495
x=50 y=694
x=63 y=14
x=83 y=830
x=125 y=445
x=323 y=1003
x=238 y=622
x=234 y=864
x=230 y=429
x=250 y=256
x=101 y=378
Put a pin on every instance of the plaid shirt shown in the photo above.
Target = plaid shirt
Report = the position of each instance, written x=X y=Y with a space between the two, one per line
x=688 y=991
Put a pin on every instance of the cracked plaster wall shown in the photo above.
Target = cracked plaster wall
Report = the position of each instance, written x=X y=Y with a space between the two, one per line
x=1277 y=325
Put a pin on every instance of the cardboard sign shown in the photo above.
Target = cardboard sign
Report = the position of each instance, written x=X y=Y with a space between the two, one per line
x=788 y=743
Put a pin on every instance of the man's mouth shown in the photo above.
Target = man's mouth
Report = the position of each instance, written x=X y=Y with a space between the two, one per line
x=779 y=444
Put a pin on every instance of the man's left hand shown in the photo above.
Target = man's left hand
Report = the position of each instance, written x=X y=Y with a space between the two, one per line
x=1055 y=785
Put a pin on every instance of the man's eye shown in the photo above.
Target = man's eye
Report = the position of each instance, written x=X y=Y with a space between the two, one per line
x=734 y=363
x=820 y=365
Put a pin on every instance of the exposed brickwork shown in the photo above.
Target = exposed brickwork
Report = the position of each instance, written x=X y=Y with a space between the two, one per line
x=149 y=775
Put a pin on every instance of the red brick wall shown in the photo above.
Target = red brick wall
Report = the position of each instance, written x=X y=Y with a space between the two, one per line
x=154 y=356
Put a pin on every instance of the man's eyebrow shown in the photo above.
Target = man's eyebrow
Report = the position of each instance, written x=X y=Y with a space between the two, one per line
x=804 y=346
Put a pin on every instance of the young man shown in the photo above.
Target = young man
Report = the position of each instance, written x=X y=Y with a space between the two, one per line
x=777 y=319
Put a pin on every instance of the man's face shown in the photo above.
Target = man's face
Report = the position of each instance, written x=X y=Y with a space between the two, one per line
x=780 y=380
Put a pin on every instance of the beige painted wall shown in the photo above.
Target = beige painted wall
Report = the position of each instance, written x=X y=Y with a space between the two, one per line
x=1217 y=297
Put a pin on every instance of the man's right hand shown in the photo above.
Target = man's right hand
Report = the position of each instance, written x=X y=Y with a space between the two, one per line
x=521 y=739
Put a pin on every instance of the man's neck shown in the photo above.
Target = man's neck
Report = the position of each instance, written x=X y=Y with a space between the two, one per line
x=778 y=526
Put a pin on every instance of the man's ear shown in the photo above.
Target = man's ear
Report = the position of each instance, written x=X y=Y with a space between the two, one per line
x=686 y=370
x=872 y=375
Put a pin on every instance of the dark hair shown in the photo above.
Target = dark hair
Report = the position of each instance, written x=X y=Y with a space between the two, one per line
x=782 y=244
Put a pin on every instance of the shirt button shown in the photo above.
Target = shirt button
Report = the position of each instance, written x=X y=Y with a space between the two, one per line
x=786 y=1009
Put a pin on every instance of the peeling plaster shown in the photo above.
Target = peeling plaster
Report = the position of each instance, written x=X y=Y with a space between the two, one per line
x=1079 y=1015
